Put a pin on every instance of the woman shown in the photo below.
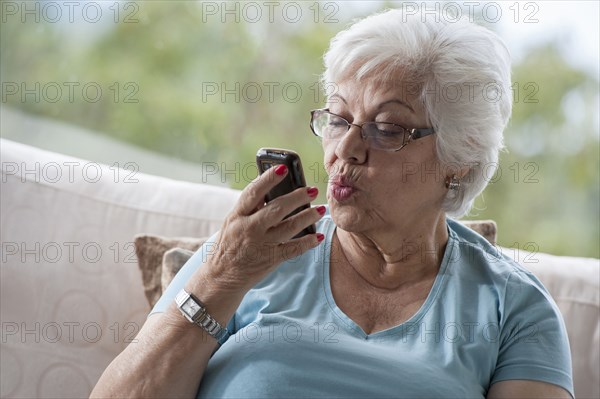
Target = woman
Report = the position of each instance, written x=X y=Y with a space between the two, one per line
x=390 y=298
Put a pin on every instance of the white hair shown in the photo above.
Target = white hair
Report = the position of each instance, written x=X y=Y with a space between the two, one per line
x=460 y=70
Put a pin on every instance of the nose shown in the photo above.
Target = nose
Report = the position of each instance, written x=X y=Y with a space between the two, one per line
x=351 y=147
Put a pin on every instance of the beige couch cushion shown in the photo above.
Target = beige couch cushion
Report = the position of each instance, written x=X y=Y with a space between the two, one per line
x=66 y=314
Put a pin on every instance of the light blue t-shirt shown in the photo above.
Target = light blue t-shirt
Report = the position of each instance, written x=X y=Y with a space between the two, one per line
x=485 y=320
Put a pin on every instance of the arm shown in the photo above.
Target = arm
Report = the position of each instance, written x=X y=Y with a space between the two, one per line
x=526 y=389
x=534 y=359
x=167 y=360
x=171 y=354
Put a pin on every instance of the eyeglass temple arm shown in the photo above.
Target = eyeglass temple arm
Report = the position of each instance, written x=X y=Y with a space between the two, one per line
x=418 y=133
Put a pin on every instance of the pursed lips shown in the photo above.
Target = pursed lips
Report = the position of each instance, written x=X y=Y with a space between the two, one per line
x=341 y=188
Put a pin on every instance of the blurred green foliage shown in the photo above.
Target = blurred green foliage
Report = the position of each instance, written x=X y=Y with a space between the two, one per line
x=177 y=79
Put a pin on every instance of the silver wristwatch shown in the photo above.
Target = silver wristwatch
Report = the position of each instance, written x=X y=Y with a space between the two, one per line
x=195 y=312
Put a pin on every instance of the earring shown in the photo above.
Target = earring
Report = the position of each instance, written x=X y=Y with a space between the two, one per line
x=453 y=183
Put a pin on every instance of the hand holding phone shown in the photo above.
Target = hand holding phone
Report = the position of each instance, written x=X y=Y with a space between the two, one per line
x=267 y=158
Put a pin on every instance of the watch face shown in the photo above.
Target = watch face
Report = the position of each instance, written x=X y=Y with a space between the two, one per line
x=190 y=307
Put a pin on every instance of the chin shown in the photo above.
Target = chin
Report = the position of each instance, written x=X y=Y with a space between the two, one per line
x=347 y=216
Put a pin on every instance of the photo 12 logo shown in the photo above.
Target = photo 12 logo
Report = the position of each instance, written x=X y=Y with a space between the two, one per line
x=53 y=92
x=69 y=172
x=66 y=252
x=69 y=11
x=70 y=332
x=253 y=12
x=490 y=12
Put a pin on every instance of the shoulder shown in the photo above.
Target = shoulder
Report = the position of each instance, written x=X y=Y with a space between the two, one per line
x=531 y=335
x=471 y=250
x=475 y=259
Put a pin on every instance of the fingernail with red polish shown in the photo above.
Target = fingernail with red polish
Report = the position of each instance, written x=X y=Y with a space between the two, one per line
x=321 y=209
x=320 y=237
x=280 y=170
x=312 y=191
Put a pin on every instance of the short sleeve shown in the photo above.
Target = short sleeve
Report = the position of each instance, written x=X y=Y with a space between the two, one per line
x=178 y=282
x=533 y=339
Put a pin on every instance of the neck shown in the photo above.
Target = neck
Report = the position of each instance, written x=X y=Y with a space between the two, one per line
x=394 y=258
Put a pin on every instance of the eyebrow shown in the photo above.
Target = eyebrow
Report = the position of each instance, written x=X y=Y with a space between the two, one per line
x=395 y=101
x=383 y=104
x=335 y=95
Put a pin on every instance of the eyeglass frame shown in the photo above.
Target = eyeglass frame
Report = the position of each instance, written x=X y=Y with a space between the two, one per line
x=413 y=134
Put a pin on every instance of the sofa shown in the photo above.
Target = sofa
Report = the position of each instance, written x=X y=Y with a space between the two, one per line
x=72 y=293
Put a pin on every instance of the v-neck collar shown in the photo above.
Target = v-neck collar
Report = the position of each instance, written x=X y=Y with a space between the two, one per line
x=415 y=318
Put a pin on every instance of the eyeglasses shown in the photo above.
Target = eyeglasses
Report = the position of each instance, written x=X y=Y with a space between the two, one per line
x=380 y=135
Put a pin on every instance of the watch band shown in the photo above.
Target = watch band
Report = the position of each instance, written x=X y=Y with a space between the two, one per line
x=195 y=312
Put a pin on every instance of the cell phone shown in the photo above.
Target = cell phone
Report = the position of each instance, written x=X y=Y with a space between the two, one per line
x=266 y=158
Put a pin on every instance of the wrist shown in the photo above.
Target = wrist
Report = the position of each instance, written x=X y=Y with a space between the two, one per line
x=195 y=312
x=219 y=300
